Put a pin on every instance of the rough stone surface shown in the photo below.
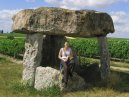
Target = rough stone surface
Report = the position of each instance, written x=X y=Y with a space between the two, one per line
x=104 y=57
x=32 y=57
x=89 y=72
x=47 y=77
x=58 y=21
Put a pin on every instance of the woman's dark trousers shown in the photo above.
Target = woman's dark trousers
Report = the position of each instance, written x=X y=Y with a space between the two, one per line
x=67 y=70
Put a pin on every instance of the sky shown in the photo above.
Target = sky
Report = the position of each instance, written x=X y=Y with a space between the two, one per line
x=118 y=9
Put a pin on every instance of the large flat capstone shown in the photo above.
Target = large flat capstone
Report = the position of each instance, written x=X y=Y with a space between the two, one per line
x=58 y=21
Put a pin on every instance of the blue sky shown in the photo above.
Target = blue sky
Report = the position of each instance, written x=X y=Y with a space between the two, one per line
x=118 y=9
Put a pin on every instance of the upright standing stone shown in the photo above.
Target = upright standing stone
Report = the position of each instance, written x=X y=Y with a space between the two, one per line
x=104 y=57
x=32 y=57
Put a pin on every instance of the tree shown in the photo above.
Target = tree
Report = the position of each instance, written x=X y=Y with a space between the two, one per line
x=1 y=31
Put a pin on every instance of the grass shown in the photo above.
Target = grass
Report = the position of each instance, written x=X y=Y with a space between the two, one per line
x=9 y=72
x=117 y=85
x=11 y=86
x=17 y=88
x=112 y=63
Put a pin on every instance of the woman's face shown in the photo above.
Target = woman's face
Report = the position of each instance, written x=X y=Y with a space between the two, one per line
x=66 y=45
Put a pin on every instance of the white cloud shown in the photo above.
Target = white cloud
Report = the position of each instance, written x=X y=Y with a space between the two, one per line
x=83 y=3
x=53 y=1
x=121 y=23
x=66 y=7
x=6 y=14
x=30 y=0
x=6 y=19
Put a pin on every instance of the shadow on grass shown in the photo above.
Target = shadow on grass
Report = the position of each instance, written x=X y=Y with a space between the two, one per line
x=118 y=81
x=117 y=85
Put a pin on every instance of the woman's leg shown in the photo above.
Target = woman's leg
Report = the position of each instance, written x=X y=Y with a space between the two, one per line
x=71 y=67
x=65 y=71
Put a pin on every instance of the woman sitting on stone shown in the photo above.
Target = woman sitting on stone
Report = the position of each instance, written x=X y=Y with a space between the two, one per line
x=66 y=57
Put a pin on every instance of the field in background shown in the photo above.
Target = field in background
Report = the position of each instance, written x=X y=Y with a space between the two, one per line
x=89 y=47
x=17 y=35
x=12 y=47
x=84 y=47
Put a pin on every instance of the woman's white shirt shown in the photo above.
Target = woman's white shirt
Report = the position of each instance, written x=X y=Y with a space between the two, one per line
x=66 y=53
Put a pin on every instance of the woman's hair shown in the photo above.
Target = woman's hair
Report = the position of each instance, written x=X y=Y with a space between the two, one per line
x=66 y=43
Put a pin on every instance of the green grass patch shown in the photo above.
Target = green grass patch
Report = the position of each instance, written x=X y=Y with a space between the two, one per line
x=2 y=60
x=17 y=88
x=13 y=34
x=84 y=60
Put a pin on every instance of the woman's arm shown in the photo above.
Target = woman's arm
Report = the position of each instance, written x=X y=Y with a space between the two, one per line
x=60 y=54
